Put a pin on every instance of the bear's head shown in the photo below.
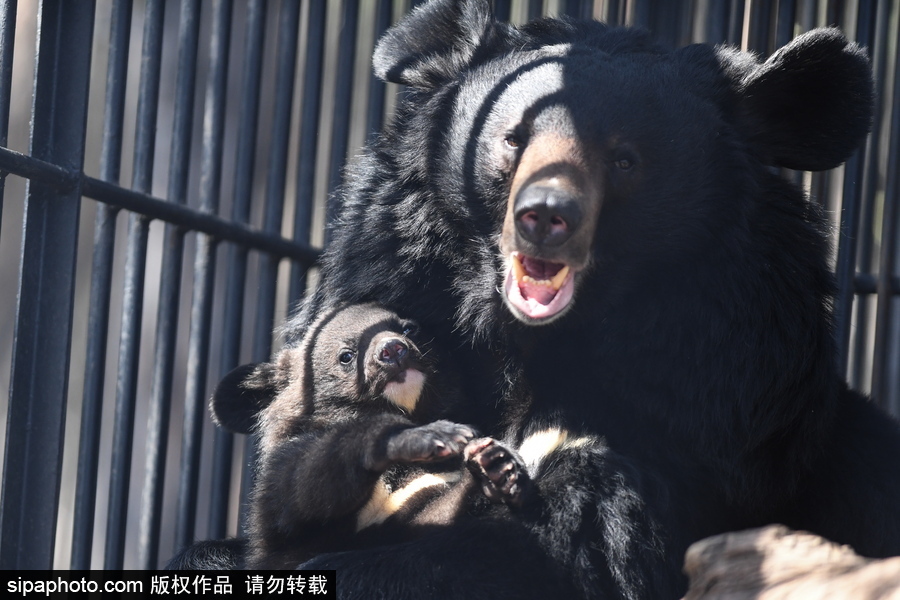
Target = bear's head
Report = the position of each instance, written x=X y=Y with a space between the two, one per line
x=600 y=156
x=352 y=360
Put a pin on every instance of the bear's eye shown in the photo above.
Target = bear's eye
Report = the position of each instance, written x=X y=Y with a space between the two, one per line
x=624 y=164
x=512 y=141
x=409 y=329
x=346 y=357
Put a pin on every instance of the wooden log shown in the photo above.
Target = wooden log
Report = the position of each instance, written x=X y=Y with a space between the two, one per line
x=775 y=563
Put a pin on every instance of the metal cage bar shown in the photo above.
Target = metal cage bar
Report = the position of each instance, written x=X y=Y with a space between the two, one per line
x=878 y=54
x=307 y=157
x=170 y=288
x=37 y=398
x=851 y=207
x=7 y=46
x=886 y=370
x=101 y=287
x=237 y=255
x=343 y=93
x=133 y=296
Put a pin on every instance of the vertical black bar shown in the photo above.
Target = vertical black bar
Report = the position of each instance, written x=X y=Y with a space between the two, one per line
x=736 y=22
x=502 y=9
x=237 y=256
x=886 y=368
x=832 y=11
x=342 y=102
x=309 y=136
x=807 y=14
x=285 y=62
x=101 y=282
x=204 y=265
x=7 y=47
x=613 y=13
x=642 y=14
x=133 y=294
x=375 y=109
x=626 y=11
x=126 y=388
x=37 y=399
x=716 y=31
x=685 y=20
x=571 y=8
x=170 y=289
x=760 y=23
x=587 y=9
x=878 y=53
x=854 y=173
x=784 y=33
x=535 y=9
x=784 y=26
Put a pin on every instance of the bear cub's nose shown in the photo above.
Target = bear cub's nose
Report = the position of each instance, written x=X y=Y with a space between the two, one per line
x=393 y=351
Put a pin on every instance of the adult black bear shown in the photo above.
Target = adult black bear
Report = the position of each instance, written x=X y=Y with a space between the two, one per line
x=337 y=420
x=592 y=224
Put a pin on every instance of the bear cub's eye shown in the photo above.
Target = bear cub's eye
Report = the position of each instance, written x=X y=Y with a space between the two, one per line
x=409 y=329
x=624 y=164
x=346 y=357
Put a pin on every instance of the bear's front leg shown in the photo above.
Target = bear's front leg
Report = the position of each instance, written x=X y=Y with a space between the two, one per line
x=434 y=441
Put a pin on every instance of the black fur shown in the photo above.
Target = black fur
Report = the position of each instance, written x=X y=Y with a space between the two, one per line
x=693 y=369
x=210 y=555
x=341 y=436
x=346 y=402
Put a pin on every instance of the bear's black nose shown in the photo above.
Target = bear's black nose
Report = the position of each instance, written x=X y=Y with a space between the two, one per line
x=393 y=350
x=546 y=215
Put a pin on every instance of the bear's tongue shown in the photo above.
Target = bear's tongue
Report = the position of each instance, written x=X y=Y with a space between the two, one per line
x=538 y=280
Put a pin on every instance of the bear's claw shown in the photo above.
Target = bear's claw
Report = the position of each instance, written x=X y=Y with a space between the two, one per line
x=499 y=469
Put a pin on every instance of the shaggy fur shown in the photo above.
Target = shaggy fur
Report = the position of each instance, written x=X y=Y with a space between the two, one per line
x=351 y=453
x=689 y=347
x=592 y=227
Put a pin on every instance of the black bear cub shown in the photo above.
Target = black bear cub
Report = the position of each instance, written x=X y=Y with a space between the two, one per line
x=341 y=437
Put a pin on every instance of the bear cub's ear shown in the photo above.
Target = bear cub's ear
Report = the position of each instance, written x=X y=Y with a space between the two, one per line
x=433 y=43
x=809 y=106
x=242 y=394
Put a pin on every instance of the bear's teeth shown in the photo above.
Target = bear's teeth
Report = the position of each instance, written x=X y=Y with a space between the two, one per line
x=554 y=283
x=559 y=278
x=531 y=280
x=518 y=269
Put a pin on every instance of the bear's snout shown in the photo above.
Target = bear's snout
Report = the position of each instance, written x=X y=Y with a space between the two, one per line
x=393 y=351
x=547 y=215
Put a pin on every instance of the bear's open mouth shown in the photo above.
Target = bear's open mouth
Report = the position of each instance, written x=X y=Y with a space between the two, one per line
x=537 y=289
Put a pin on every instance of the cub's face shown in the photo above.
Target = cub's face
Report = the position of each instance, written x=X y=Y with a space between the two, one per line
x=357 y=356
x=367 y=353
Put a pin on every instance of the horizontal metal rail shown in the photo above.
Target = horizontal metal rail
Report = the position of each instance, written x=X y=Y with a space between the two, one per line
x=16 y=163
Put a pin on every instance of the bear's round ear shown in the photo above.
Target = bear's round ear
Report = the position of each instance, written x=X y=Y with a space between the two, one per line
x=809 y=105
x=433 y=43
x=242 y=394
